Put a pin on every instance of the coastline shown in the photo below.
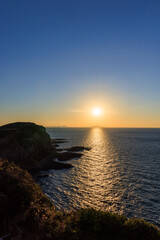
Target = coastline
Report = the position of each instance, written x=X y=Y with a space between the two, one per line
x=30 y=211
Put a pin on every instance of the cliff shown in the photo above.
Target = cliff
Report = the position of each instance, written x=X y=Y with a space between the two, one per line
x=29 y=146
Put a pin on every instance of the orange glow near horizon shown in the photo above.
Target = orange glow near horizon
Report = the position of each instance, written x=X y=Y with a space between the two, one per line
x=87 y=112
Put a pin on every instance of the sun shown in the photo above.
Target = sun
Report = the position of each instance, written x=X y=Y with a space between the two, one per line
x=97 y=112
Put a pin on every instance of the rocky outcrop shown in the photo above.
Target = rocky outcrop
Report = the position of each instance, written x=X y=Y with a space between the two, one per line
x=78 y=149
x=29 y=146
x=58 y=140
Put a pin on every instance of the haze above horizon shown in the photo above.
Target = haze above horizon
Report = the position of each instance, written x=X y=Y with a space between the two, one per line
x=80 y=63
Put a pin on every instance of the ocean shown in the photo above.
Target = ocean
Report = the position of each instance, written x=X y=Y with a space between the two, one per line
x=121 y=172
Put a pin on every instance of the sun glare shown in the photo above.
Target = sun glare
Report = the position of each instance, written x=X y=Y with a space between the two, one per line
x=96 y=112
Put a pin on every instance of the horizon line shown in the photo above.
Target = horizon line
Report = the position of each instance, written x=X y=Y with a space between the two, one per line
x=100 y=127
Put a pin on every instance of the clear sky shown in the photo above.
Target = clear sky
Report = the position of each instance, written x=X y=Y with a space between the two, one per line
x=59 y=59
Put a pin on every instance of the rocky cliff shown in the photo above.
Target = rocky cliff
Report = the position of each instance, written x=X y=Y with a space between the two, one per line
x=29 y=146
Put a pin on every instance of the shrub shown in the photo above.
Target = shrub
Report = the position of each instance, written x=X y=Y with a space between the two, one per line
x=23 y=205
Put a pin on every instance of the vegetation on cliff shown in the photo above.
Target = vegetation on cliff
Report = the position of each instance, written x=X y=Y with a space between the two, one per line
x=26 y=213
x=29 y=146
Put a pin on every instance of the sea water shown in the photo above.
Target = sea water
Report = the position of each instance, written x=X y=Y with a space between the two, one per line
x=121 y=172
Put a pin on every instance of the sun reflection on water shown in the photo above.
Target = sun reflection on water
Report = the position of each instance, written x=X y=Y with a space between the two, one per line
x=102 y=178
x=99 y=172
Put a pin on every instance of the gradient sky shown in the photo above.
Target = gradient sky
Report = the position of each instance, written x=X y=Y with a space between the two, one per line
x=59 y=59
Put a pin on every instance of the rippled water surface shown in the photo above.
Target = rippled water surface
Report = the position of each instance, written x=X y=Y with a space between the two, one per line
x=121 y=172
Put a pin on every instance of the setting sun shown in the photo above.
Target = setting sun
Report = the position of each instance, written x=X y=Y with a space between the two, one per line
x=96 y=112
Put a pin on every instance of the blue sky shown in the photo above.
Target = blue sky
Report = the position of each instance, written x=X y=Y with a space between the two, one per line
x=59 y=55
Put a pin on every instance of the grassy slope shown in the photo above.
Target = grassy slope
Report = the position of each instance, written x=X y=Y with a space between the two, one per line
x=27 y=213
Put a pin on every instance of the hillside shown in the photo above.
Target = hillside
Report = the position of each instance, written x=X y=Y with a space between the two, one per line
x=29 y=146
x=27 y=214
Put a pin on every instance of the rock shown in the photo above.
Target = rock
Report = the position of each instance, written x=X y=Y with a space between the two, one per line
x=58 y=140
x=55 y=145
x=68 y=155
x=77 y=149
x=29 y=146
x=60 y=149
x=73 y=149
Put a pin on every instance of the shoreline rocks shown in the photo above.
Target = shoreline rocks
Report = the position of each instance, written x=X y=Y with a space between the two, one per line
x=78 y=149
x=30 y=147
x=58 y=140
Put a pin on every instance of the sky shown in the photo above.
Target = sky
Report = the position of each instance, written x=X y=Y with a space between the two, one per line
x=60 y=59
